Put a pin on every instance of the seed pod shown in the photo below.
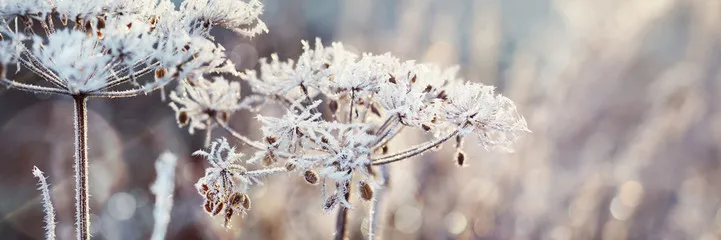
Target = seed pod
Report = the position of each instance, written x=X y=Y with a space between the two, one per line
x=217 y=209
x=208 y=206
x=153 y=20
x=100 y=35
x=270 y=139
x=375 y=110
x=330 y=203
x=426 y=127
x=228 y=215
x=366 y=191
x=130 y=25
x=413 y=80
x=289 y=166
x=160 y=73
x=311 y=177
x=299 y=133
x=88 y=26
x=182 y=118
x=460 y=158
x=64 y=19
x=428 y=89
x=269 y=158
x=245 y=201
x=326 y=65
x=459 y=141
x=224 y=116
x=203 y=189
x=442 y=95
x=392 y=79
x=234 y=200
x=384 y=149
x=101 y=23
x=333 y=106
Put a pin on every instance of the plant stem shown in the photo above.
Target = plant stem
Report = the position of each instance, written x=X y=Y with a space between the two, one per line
x=342 y=219
x=82 y=207
x=413 y=151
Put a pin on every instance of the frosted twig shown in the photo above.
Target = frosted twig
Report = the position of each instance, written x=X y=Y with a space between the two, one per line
x=163 y=189
x=47 y=204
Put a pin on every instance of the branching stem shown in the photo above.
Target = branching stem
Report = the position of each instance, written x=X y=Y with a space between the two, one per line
x=413 y=151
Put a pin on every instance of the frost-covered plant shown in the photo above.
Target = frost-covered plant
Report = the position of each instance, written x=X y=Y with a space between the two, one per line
x=163 y=188
x=370 y=99
x=47 y=203
x=105 y=48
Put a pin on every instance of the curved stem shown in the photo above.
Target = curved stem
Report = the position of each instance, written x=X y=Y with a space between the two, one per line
x=413 y=151
x=82 y=206
x=239 y=136
x=342 y=218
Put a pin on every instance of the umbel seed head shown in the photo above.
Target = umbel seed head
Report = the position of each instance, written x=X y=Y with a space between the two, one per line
x=311 y=177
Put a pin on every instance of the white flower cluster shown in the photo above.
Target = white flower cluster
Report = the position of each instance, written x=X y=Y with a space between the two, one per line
x=103 y=44
x=202 y=101
x=418 y=95
x=370 y=97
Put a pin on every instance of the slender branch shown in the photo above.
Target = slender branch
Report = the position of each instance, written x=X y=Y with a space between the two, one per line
x=240 y=137
x=82 y=206
x=374 y=213
x=413 y=151
x=32 y=88
x=342 y=218
x=131 y=92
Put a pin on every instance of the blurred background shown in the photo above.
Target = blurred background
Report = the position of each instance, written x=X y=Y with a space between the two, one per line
x=623 y=98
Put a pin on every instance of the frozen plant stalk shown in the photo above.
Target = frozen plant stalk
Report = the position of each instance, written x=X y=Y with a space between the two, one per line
x=47 y=204
x=163 y=189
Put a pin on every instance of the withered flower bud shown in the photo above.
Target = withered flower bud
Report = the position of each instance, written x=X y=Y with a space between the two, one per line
x=311 y=177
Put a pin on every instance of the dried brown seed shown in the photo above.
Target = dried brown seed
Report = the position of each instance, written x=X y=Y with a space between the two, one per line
x=182 y=117
x=326 y=65
x=366 y=191
x=224 y=116
x=392 y=79
x=311 y=177
x=333 y=106
x=299 y=133
x=160 y=72
x=384 y=149
x=426 y=127
x=269 y=158
x=245 y=201
x=428 y=89
x=218 y=208
x=101 y=23
x=234 y=200
x=330 y=203
x=413 y=80
x=289 y=166
x=130 y=25
x=186 y=47
x=208 y=206
x=100 y=35
x=442 y=95
x=64 y=19
x=153 y=20
x=460 y=158
x=375 y=110
x=270 y=139
x=228 y=215
x=203 y=189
